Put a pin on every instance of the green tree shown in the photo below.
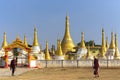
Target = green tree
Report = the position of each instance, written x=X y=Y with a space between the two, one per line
x=90 y=43
x=16 y=51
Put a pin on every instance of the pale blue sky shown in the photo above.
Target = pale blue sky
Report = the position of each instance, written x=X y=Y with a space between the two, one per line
x=18 y=17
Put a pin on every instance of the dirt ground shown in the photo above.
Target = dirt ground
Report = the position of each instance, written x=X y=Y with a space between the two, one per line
x=66 y=74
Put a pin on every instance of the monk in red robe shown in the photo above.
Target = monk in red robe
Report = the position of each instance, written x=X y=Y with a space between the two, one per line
x=96 y=67
x=13 y=66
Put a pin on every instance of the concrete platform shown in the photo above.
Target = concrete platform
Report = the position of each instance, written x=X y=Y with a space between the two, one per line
x=19 y=70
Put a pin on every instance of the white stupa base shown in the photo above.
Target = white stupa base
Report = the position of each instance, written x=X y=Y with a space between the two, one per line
x=35 y=49
x=40 y=55
x=110 y=54
x=81 y=52
x=59 y=57
x=2 y=53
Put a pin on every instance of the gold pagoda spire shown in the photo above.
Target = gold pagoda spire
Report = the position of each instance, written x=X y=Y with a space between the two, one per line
x=4 y=41
x=88 y=53
x=47 y=54
x=59 y=50
x=25 y=41
x=103 y=48
x=35 y=42
x=107 y=46
x=82 y=44
x=112 y=44
x=67 y=43
x=53 y=49
x=116 y=47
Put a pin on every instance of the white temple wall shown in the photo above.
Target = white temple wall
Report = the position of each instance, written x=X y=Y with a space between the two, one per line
x=77 y=63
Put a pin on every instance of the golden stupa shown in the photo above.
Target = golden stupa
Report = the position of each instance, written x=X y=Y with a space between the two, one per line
x=112 y=44
x=103 y=47
x=107 y=45
x=47 y=54
x=4 y=44
x=59 y=50
x=35 y=42
x=116 y=56
x=25 y=41
x=82 y=44
x=67 y=43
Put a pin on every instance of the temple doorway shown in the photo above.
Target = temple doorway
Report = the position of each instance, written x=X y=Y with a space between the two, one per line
x=21 y=57
x=18 y=50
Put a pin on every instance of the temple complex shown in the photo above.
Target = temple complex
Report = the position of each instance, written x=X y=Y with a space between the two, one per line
x=65 y=50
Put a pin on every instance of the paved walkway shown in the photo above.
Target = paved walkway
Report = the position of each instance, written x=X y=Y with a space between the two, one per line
x=7 y=72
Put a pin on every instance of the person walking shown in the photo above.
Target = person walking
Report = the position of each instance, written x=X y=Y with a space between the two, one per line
x=13 y=66
x=96 y=67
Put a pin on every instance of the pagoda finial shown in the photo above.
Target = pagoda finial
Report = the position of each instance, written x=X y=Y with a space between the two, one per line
x=103 y=40
x=107 y=46
x=67 y=32
x=112 y=44
x=59 y=50
x=103 y=48
x=4 y=41
x=116 y=47
x=35 y=42
x=25 y=41
x=67 y=43
x=17 y=38
x=116 y=40
x=47 y=54
x=82 y=44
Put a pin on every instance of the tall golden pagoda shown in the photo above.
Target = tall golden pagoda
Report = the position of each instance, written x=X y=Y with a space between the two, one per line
x=103 y=48
x=35 y=42
x=82 y=44
x=112 y=44
x=4 y=41
x=67 y=43
x=25 y=41
x=47 y=54
x=116 y=56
